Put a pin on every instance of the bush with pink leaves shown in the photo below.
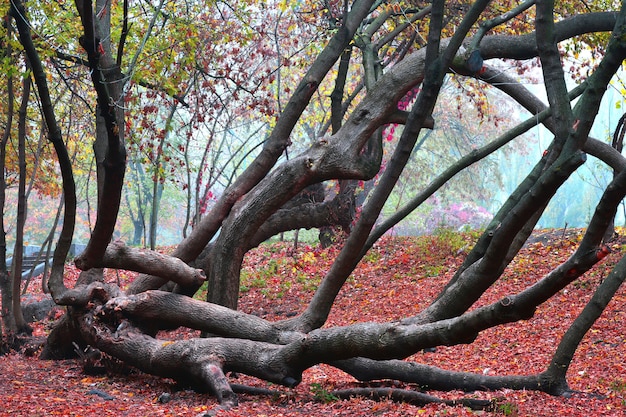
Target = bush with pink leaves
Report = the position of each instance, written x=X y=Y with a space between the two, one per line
x=466 y=215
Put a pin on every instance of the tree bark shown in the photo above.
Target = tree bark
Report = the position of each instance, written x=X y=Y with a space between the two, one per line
x=106 y=77
x=571 y=339
x=6 y=304
x=18 y=250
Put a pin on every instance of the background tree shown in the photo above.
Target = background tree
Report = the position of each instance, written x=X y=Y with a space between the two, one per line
x=397 y=56
x=5 y=283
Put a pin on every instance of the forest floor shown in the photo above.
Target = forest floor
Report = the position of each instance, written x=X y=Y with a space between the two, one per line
x=396 y=279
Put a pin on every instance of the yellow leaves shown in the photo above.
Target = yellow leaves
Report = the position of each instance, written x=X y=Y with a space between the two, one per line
x=284 y=5
x=59 y=399
x=393 y=8
x=4 y=8
x=91 y=380
x=308 y=257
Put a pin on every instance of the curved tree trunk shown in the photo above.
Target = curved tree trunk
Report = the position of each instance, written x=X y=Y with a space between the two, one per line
x=581 y=325
x=56 y=284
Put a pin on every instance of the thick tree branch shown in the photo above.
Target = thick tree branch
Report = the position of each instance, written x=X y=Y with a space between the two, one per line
x=525 y=46
x=178 y=310
x=434 y=378
x=120 y=256
x=553 y=75
x=454 y=169
x=328 y=213
x=581 y=325
x=279 y=139
x=104 y=75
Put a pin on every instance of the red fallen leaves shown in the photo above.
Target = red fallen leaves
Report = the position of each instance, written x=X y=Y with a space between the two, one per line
x=603 y=252
x=400 y=276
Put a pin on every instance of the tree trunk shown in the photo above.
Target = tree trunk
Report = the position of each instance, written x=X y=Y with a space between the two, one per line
x=141 y=197
x=18 y=249
x=571 y=339
x=6 y=304
x=157 y=192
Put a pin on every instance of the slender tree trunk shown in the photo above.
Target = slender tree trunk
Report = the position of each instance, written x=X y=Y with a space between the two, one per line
x=57 y=286
x=50 y=240
x=188 y=191
x=564 y=354
x=157 y=192
x=138 y=232
x=141 y=197
x=136 y=217
x=22 y=209
x=158 y=178
x=8 y=322
x=100 y=144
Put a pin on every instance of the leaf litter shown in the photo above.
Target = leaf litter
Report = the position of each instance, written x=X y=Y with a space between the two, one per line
x=398 y=278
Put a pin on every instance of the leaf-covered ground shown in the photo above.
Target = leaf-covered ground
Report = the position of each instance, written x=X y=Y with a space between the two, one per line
x=397 y=279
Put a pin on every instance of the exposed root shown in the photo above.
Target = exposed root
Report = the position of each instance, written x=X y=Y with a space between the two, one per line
x=217 y=381
x=14 y=342
x=411 y=397
x=246 y=389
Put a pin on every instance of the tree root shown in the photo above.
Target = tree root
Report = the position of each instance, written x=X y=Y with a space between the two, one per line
x=215 y=378
x=246 y=389
x=411 y=397
x=11 y=341
x=432 y=377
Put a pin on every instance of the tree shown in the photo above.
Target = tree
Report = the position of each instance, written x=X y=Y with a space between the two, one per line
x=257 y=205
x=8 y=322
x=21 y=209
